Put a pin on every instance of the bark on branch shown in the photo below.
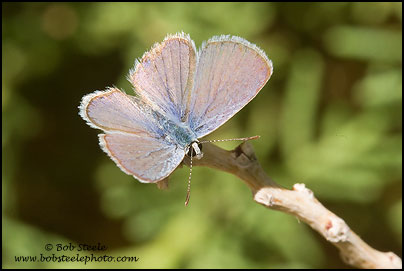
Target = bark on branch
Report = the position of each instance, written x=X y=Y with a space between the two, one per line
x=299 y=201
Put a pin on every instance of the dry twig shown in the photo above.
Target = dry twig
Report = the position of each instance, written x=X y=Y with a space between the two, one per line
x=299 y=202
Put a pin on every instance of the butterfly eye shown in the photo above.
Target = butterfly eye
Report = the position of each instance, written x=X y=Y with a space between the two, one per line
x=191 y=149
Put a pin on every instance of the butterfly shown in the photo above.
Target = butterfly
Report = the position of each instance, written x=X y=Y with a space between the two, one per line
x=182 y=95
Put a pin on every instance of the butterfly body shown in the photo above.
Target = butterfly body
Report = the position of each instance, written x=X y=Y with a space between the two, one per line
x=180 y=133
x=182 y=95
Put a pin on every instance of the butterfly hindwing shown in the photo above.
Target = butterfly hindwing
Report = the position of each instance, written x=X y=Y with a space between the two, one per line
x=148 y=159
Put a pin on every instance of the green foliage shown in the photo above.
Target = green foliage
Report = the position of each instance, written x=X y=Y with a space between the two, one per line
x=329 y=117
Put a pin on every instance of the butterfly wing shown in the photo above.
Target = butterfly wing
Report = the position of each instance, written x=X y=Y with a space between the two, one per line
x=164 y=76
x=133 y=139
x=114 y=111
x=230 y=73
x=148 y=159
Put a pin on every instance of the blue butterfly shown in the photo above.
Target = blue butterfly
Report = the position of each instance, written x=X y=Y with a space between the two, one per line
x=182 y=95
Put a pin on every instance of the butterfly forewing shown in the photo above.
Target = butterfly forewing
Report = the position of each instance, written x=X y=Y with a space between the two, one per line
x=164 y=76
x=113 y=110
x=133 y=139
x=230 y=73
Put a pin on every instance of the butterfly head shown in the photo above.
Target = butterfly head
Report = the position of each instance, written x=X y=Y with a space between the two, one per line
x=194 y=149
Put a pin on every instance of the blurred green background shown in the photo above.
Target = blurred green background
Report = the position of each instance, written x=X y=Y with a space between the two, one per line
x=329 y=117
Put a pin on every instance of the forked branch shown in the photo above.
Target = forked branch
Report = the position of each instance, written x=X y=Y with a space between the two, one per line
x=299 y=201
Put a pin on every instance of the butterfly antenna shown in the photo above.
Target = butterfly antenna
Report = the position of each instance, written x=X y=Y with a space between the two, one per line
x=230 y=139
x=189 y=180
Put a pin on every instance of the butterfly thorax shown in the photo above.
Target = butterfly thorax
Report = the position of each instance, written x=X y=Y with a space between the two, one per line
x=179 y=132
